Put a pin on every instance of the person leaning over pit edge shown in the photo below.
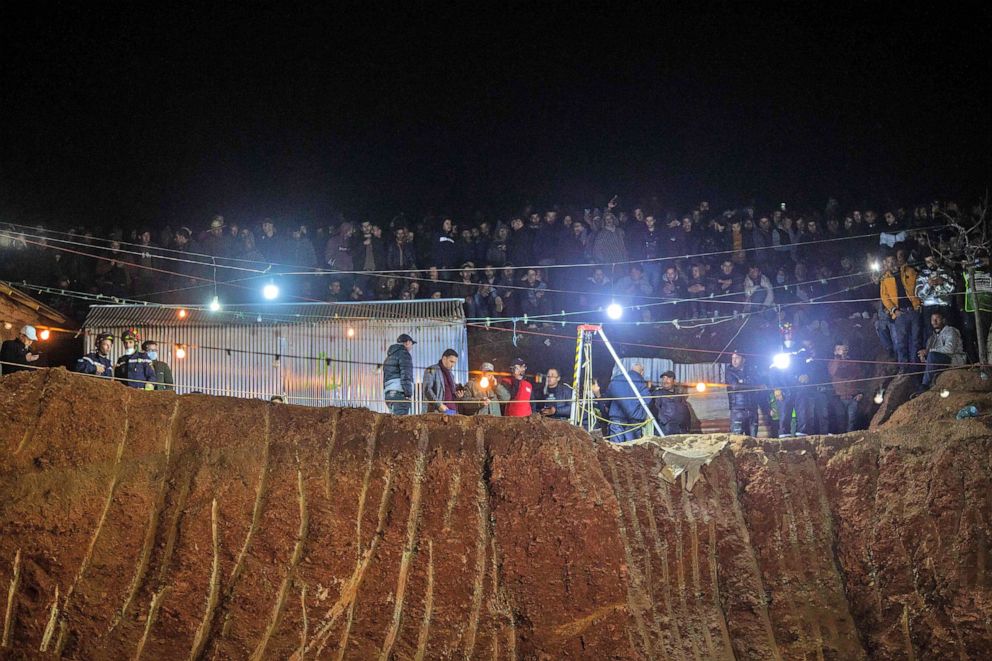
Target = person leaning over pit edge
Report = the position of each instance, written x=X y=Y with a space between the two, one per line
x=397 y=376
x=440 y=391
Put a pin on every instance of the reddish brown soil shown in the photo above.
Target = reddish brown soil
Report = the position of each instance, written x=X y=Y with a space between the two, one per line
x=142 y=524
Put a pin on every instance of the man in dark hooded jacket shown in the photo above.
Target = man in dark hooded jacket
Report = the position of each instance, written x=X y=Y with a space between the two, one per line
x=397 y=376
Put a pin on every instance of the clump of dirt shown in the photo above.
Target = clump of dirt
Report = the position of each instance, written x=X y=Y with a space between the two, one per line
x=144 y=524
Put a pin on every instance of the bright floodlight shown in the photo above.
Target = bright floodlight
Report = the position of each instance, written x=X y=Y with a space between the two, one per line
x=215 y=304
x=700 y=387
x=781 y=361
x=270 y=291
x=614 y=311
x=180 y=353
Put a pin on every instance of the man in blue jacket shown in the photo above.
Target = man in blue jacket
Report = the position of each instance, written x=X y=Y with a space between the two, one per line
x=625 y=412
x=98 y=362
x=135 y=369
x=397 y=376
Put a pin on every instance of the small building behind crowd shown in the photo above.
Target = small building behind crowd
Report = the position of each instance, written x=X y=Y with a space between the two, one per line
x=313 y=354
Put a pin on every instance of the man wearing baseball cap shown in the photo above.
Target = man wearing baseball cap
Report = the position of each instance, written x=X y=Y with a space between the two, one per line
x=520 y=389
x=484 y=395
x=15 y=355
x=397 y=376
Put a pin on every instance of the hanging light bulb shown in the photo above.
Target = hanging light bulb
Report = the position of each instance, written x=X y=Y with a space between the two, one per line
x=181 y=313
x=484 y=382
x=45 y=334
x=614 y=310
x=215 y=304
x=180 y=352
x=270 y=291
x=880 y=395
x=7 y=325
x=351 y=332
x=700 y=387
x=945 y=393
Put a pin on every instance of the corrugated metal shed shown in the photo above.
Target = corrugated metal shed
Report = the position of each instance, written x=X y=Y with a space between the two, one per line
x=317 y=354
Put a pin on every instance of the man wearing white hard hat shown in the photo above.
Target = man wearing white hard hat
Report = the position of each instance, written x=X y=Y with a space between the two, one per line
x=484 y=394
x=16 y=355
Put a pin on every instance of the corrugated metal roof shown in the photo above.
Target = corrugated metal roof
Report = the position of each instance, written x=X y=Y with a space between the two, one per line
x=122 y=316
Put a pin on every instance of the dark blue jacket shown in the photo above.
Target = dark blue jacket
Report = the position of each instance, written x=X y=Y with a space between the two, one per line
x=562 y=394
x=398 y=366
x=136 y=370
x=87 y=364
x=627 y=409
x=740 y=387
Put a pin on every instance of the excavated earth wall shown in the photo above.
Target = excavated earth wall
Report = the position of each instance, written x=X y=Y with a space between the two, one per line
x=148 y=525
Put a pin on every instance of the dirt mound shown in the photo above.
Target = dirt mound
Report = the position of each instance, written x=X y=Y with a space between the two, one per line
x=143 y=524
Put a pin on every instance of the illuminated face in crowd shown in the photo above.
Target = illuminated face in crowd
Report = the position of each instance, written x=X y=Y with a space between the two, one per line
x=553 y=377
x=736 y=360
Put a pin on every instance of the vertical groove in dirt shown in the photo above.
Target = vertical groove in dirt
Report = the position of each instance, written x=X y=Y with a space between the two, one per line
x=202 y=632
x=151 y=529
x=481 y=546
x=88 y=556
x=294 y=560
x=349 y=589
x=29 y=430
x=8 y=615
x=637 y=600
x=428 y=605
x=413 y=521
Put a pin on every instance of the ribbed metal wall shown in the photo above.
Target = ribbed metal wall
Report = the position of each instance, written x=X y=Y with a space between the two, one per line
x=325 y=362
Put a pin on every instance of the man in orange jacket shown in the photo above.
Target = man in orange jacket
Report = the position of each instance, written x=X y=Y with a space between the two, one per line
x=897 y=289
x=520 y=389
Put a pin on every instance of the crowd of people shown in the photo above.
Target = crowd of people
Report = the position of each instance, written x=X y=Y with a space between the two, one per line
x=901 y=268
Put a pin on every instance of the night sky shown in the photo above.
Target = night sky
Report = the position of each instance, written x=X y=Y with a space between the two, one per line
x=138 y=117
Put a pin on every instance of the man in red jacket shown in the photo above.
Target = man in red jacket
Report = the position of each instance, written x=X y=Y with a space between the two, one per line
x=520 y=389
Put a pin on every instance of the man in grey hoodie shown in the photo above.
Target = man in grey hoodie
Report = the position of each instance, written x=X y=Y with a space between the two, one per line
x=397 y=376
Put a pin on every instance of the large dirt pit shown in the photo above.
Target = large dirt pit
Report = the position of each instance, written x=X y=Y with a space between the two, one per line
x=148 y=525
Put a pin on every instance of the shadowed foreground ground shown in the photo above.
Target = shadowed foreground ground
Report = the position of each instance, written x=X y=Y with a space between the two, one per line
x=142 y=524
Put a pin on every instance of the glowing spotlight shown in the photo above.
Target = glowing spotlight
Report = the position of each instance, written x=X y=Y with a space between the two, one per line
x=700 y=387
x=484 y=382
x=781 y=361
x=614 y=311
x=180 y=353
x=270 y=291
x=351 y=332
x=215 y=304
x=945 y=393
x=45 y=334
x=181 y=313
